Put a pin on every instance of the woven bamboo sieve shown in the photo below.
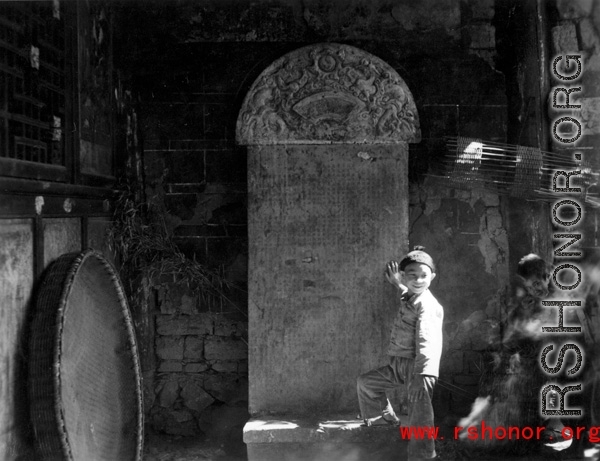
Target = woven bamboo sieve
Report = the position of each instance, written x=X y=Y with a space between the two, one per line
x=84 y=380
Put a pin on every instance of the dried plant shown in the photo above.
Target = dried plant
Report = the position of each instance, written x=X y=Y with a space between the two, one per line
x=143 y=244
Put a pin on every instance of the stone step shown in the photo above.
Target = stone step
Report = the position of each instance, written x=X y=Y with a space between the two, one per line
x=333 y=439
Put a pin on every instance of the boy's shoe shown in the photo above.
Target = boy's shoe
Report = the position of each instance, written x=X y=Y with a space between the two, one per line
x=392 y=420
x=382 y=421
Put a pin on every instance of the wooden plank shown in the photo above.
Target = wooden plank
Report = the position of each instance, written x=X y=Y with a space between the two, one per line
x=20 y=186
x=32 y=170
x=61 y=235
x=38 y=246
x=13 y=206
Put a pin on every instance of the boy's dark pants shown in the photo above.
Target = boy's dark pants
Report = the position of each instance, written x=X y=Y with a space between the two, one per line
x=373 y=401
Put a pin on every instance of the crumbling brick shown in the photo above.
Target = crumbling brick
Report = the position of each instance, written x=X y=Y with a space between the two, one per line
x=564 y=39
x=170 y=366
x=195 y=367
x=482 y=36
x=588 y=34
x=226 y=327
x=169 y=348
x=482 y=9
x=574 y=9
x=169 y=393
x=225 y=366
x=217 y=348
x=227 y=387
x=194 y=347
x=194 y=397
x=169 y=325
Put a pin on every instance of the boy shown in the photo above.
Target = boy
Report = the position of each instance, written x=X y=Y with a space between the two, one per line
x=415 y=350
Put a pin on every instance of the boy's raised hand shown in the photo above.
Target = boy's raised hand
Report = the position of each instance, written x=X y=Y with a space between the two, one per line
x=393 y=275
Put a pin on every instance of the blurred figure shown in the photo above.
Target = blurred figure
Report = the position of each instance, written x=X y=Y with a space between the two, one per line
x=511 y=385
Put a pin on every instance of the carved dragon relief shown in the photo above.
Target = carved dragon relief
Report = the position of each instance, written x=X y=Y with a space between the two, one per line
x=328 y=93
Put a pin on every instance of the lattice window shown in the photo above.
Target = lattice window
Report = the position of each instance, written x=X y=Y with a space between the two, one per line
x=33 y=99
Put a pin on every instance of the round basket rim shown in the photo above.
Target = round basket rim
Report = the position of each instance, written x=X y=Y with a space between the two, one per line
x=75 y=262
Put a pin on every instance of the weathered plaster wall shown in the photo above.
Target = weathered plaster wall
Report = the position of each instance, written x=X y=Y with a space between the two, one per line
x=16 y=285
x=465 y=230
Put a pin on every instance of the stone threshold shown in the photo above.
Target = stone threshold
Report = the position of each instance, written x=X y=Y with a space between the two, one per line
x=277 y=429
x=280 y=438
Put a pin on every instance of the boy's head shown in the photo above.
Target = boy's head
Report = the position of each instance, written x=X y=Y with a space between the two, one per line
x=418 y=270
x=534 y=275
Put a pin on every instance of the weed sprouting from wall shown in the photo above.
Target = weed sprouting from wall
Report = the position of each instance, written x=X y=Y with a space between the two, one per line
x=144 y=245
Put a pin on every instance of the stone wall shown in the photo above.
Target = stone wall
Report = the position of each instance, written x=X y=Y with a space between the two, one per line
x=202 y=364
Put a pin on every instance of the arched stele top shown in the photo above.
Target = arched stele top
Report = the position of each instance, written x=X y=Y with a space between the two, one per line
x=328 y=93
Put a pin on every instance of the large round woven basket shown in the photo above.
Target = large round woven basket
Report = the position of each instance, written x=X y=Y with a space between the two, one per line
x=84 y=374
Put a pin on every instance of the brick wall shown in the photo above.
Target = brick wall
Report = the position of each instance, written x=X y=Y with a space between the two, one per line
x=197 y=176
